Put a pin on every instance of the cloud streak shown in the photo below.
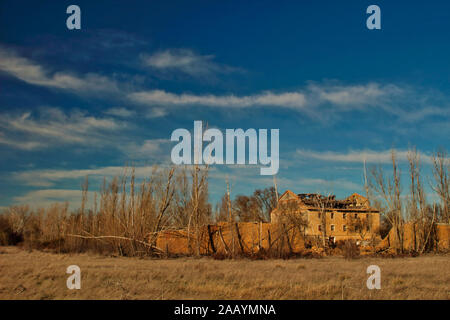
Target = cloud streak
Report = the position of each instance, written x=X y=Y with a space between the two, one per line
x=320 y=101
x=36 y=74
x=47 y=197
x=161 y=97
x=311 y=98
x=121 y=112
x=49 y=177
x=54 y=127
x=358 y=156
x=185 y=61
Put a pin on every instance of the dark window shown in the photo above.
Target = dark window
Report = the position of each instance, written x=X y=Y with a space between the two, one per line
x=332 y=227
x=332 y=215
x=320 y=227
x=356 y=215
x=344 y=227
x=344 y=215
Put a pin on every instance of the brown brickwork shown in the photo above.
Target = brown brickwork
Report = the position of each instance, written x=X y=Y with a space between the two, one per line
x=250 y=237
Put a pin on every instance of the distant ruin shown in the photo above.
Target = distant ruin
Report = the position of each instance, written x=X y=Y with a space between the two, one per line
x=314 y=219
x=300 y=223
x=325 y=216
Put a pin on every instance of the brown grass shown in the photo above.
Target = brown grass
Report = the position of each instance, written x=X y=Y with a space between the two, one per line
x=41 y=275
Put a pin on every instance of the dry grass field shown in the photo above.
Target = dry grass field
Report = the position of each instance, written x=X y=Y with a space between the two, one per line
x=41 y=275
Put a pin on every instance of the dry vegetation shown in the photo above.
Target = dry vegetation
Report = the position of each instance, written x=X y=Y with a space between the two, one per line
x=127 y=216
x=41 y=275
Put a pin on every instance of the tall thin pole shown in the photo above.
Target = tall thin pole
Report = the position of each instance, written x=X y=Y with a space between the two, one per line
x=276 y=188
x=366 y=186
x=230 y=217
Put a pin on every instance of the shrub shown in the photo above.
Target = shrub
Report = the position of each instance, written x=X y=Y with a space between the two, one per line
x=8 y=237
x=350 y=250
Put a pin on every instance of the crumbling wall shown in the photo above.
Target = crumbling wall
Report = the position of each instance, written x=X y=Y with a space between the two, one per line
x=443 y=236
x=251 y=237
x=234 y=238
x=411 y=243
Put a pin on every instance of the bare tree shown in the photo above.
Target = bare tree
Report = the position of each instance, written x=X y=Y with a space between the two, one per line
x=360 y=225
x=266 y=200
x=164 y=203
x=231 y=222
x=199 y=208
x=323 y=203
x=294 y=218
x=441 y=186
x=223 y=210
x=389 y=190
x=257 y=207
x=420 y=215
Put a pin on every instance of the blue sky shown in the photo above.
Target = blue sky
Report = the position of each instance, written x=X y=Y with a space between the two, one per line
x=78 y=102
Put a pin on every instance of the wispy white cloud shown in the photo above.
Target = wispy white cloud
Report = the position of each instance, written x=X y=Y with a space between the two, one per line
x=358 y=156
x=319 y=100
x=36 y=74
x=52 y=127
x=19 y=143
x=185 y=61
x=55 y=127
x=322 y=185
x=310 y=98
x=160 y=97
x=151 y=113
x=421 y=113
x=121 y=112
x=148 y=149
x=353 y=96
x=46 y=197
x=156 y=113
x=49 y=177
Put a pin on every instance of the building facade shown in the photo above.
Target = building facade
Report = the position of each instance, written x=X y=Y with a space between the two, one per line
x=328 y=218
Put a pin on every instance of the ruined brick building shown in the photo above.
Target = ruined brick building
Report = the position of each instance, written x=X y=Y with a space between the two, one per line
x=327 y=217
x=323 y=218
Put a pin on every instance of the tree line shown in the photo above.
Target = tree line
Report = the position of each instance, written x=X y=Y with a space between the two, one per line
x=126 y=216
